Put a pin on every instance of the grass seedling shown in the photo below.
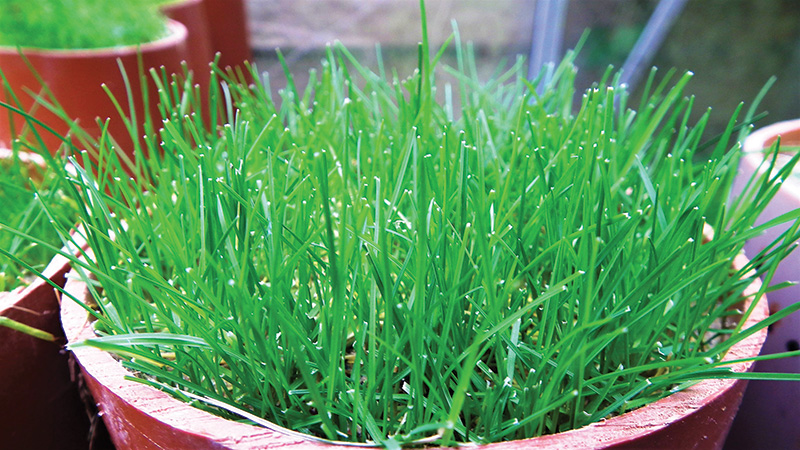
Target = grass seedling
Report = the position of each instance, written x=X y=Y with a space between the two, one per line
x=361 y=262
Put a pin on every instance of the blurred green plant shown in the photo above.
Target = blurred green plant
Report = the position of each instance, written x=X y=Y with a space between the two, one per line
x=28 y=192
x=79 y=24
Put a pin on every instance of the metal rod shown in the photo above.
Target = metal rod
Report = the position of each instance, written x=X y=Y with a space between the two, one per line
x=549 y=17
x=650 y=40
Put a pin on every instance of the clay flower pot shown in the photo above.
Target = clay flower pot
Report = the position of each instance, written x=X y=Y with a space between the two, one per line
x=192 y=14
x=768 y=417
x=213 y=26
x=40 y=407
x=39 y=402
x=139 y=417
x=76 y=79
x=227 y=25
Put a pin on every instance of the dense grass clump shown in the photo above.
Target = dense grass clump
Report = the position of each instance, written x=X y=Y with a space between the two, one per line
x=25 y=187
x=386 y=259
x=78 y=24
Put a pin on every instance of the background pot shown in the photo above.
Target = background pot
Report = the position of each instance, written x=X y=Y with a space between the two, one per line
x=40 y=407
x=192 y=14
x=139 y=417
x=76 y=79
x=229 y=31
x=768 y=417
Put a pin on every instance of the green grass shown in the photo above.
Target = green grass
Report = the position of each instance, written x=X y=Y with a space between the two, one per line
x=24 y=189
x=786 y=153
x=78 y=24
x=361 y=262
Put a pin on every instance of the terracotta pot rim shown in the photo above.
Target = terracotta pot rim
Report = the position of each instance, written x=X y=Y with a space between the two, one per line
x=764 y=137
x=57 y=265
x=752 y=156
x=616 y=430
x=176 y=32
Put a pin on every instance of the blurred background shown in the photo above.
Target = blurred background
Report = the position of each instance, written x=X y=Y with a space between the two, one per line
x=732 y=46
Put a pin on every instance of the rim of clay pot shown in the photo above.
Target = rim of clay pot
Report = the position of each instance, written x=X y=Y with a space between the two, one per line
x=763 y=138
x=59 y=265
x=176 y=32
x=174 y=413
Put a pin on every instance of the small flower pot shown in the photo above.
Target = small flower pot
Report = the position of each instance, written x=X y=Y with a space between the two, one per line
x=40 y=407
x=768 y=417
x=76 y=79
x=139 y=417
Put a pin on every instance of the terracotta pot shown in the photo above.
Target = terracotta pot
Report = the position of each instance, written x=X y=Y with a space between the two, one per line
x=227 y=23
x=40 y=407
x=139 y=417
x=76 y=77
x=192 y=14
x=768 y=417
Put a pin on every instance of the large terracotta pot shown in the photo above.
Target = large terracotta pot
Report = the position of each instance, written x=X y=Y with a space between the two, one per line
x=227 y=23
x=214 y=26
x=192 y=14
x=139 y=417
x=768 y=417
x=40 y=407
x=76 y=79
